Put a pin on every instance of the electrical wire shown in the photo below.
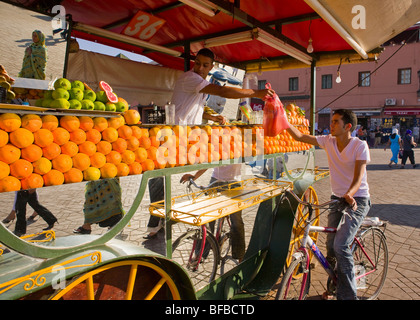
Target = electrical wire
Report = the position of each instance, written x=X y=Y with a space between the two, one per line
x=380 y=66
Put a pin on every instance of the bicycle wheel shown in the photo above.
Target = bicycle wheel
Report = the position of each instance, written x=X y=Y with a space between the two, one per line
x=186 y=251
x=290 y=285
x=370 y=276
x=299 y=224
x=225 y=243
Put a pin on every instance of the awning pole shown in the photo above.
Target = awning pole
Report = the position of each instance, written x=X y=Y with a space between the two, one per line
x=312 y=99
x=68 y=42
x=187 y=59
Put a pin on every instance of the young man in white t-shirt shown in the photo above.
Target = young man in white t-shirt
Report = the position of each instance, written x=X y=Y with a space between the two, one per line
x=191 y=89
x=189 y=95
x=347 y=159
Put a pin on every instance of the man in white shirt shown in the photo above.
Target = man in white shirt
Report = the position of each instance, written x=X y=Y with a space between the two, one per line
x=347 y=159
x=189 y=96
x=192 y=87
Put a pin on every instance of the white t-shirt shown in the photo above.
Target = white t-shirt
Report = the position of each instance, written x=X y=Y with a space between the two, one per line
x=188 y=101
x=231 y=172
x=342 y=164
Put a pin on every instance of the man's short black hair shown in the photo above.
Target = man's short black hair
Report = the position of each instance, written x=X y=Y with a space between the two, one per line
x=206 y=53
x=348 y=116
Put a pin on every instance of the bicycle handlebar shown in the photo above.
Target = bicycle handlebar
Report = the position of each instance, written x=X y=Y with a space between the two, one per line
x=192 y=182
x=316 y=206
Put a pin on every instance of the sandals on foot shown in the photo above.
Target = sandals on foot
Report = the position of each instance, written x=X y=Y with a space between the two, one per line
x=327 y=296
x=82 y=230
x=150 y=236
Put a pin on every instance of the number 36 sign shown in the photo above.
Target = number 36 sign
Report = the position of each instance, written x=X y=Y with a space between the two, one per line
x=143 y=26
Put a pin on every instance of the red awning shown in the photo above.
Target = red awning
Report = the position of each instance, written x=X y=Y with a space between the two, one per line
x=290 y=23
x=184 y=23
x=402 y=111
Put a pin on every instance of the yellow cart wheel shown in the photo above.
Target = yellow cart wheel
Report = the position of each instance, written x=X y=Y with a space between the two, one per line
x=122 y=280
x=299 y=224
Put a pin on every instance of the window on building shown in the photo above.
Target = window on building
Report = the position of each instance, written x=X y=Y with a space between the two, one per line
x=261 y=84
x=326 y=81
x=364 y=79
x=294 y=84
x=404 y=76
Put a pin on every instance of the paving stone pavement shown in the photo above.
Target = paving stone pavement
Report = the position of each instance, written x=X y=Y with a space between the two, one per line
x=394 y=193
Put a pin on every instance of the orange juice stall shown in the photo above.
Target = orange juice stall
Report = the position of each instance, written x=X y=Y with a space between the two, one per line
x=79 y=134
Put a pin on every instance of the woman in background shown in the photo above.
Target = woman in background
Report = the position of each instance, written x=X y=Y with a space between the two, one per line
x=102 y=205
x=394 y=141
x=35 y=59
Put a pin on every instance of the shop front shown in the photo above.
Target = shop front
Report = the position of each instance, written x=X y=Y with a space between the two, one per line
x=368 y=118
x=404 y=118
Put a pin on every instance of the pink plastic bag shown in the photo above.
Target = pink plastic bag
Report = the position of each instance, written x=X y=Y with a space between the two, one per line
x=275 y=119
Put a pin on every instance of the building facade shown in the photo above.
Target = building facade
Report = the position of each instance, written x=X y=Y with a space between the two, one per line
x=383 y=93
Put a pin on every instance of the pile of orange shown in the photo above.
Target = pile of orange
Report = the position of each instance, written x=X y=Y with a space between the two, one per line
x=37 y=151
x=284 y=142
x=296 y=115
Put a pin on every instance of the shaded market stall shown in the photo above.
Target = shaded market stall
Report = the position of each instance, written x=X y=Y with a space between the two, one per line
x=250 y=35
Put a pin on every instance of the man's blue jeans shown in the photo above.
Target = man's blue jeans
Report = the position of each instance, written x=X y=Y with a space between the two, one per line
x=338 y=244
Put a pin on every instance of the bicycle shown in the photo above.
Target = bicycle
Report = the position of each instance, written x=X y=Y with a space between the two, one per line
x=370 y=255
x=199 y=249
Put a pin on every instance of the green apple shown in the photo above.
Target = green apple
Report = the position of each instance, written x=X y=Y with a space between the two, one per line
x=87 y=104
x=60 y=103
x=38 y=102
x=75 y=104
x=60 y=93
x=48 y=94
x=101 y=96
x=78 y=84
x=89 y=95
x=110 y=106
x=99 y=105
x=62 y=83
x=120 y=106
x=76 y=93
x=46 y=102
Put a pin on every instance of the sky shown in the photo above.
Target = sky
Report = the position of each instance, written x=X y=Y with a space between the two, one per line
x=110 y=51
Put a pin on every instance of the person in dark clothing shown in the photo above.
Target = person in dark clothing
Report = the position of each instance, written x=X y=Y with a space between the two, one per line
x=29 y=196
x=407 y=145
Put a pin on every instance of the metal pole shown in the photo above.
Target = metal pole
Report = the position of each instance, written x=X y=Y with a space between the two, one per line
x=66 y=58
x=312 y=101
x=168 y=222
x=187 y=56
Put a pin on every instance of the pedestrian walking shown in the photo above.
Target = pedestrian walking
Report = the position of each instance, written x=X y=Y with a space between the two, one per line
x=29 y=196
x=407 y=145
x=394 y=141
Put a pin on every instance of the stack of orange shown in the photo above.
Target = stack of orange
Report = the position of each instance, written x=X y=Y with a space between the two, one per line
x=37 y=151
x=284 y=142
x=296 y=115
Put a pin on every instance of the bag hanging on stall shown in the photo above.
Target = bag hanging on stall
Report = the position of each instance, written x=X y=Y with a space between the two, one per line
x=275 y=119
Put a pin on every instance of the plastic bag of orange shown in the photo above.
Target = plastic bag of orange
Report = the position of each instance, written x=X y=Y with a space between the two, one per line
x=275 y=119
